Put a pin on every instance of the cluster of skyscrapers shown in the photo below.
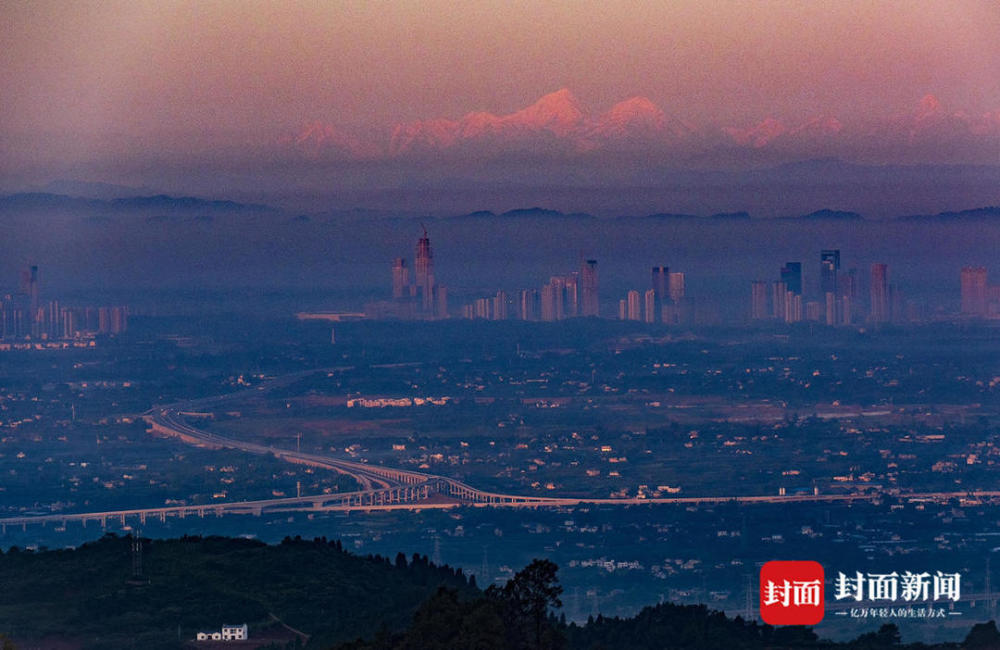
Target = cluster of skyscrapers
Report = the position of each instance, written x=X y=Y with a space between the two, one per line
x=837 y=302
x=24 y=316
x=663 y=302
x=563 y=296
x=419 y=297
x=835 y=298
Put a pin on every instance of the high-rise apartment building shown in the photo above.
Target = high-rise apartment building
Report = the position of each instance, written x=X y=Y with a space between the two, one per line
x=400 y=278
x=659 y=278
x=590 y=303
x=571 y=295
x=829 y=267
x=500 y=306
x=529 y=304
x=650 y=311
x=779 y=300
x=634 y=305
x=424 y=268
x=677 y=286
x=758 y=300
x=879 y=293
x=547 y=304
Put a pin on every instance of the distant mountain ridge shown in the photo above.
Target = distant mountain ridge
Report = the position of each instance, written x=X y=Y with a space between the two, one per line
x=163 y=202
x=988 y=212
x=161 y=207
x=558 y=123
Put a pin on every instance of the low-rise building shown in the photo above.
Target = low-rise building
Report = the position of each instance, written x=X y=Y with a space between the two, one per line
x=228 y=633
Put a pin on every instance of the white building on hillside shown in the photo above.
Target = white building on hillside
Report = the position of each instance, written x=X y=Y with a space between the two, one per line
x=228 y=633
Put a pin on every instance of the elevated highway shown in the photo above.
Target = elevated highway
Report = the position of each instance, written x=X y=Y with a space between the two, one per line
x=382 y=488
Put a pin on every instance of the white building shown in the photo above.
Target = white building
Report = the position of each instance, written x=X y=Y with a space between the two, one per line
x=228 y=633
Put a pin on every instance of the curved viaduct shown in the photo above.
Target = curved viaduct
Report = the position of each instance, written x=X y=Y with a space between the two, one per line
x=382 y=488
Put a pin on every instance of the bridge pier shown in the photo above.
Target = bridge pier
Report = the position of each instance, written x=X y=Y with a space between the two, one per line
x=122 y=518
x=163 y=517
x=142 y=518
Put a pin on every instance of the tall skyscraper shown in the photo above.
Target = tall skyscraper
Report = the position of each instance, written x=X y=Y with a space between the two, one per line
x=634 y=305
x=529 y=304
x=500 y=305
x=660 y=281
x=879 y=291
x=590 y=304
x=677 y=286
x=558 y=284
x=779 y=300
x=659 y=278
x=758 y=300
x=649 y=306
x=572 y=295
x=829 y=266
x=425 y=273
x=974 y=291
x=547 y=303
x=831 y=308
x=845 y=315
x=400 y=278
x=791 y=275
x=793 y=308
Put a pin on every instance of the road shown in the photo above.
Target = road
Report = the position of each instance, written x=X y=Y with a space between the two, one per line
x=386 y=488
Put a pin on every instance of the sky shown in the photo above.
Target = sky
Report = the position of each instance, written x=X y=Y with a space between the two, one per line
x=156 y=93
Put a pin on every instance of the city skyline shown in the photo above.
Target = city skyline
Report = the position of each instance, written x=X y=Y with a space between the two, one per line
x=25 y=317
x=836 y=298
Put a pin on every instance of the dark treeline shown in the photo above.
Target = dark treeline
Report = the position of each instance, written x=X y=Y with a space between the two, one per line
x=92 y=595
x=99 y=596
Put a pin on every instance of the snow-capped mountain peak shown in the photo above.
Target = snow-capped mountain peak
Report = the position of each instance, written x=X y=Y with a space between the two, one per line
x=558 y=112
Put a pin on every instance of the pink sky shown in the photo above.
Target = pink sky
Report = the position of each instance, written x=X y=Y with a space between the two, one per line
x=92 y=81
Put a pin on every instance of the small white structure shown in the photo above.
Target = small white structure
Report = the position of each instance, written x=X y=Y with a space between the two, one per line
x=228 y=633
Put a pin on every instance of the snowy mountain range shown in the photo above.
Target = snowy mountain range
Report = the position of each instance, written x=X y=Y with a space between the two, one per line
x=557 y=123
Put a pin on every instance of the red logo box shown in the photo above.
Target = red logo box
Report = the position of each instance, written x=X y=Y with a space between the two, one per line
x=791 y=593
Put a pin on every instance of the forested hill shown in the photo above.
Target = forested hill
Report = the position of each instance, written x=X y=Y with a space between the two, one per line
x=90 y=596
x=315 y=594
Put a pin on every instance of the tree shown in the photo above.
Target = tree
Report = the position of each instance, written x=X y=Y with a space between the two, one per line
x=527 y=598
x=982 y=635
